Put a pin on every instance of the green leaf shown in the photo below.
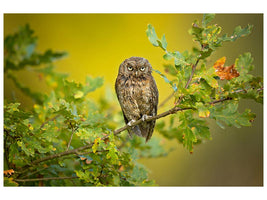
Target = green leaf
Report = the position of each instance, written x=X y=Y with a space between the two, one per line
x=153 y=149
x=164 y=42
x=208 y=76
x=83 y=175
x=30 y=49
x=196 y=31
x=228 y=113
x=169 y=132
x=96 y=144
x=78 y=95
x=91 y=84
x=238 y=32
x=112 y=150
x=168 y=56
x=170 y=69
x=112 y=153
x=220 y=124
x=29 y=151
x=152 y=36
x=11 y=107
x=189 y=139
x=244 y=65
x=139 y=175
x=200 y=129
x=203 y=111
x=207 y=18
x=193 y=129
x=206 y=53
x=179 y=59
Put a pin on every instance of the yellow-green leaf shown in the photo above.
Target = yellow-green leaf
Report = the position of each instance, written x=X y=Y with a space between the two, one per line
x=78 y=95
x=96 y=144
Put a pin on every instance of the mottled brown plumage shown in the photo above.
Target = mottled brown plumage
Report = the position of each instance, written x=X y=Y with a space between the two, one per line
x=138 y=94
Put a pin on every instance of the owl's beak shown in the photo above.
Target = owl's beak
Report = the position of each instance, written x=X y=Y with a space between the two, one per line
x=136 y=73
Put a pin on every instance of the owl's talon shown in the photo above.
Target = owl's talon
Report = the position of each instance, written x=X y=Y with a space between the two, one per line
x=130 y=123
x=145 y=117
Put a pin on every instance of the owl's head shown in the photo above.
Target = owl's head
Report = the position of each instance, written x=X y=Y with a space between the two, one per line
x=135 y=66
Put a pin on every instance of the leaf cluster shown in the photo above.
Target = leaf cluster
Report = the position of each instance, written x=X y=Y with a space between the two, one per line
x=62 y=120
x=198 y=86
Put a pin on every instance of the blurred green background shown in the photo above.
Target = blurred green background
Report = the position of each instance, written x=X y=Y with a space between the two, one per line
x=98 y=43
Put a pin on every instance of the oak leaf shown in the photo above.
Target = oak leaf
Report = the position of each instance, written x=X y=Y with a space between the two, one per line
x=227 y=72
x=9 y=172
x=82 y=158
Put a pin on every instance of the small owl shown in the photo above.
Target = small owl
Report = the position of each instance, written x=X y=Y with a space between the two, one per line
x=137 y=93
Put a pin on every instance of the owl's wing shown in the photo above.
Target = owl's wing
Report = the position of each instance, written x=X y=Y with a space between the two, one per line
x=153 y=109
x=128 y=105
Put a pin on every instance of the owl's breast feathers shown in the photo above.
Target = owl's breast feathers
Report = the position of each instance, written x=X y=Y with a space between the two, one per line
x=142 y=89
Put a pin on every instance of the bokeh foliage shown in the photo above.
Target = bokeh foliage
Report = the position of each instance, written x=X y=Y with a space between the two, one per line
x=65 y=119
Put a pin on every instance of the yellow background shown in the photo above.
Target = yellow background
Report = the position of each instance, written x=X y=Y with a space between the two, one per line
x=98 y=43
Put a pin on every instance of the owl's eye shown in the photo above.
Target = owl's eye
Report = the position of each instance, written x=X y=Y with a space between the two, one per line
x=142 y=68
x=130 y=68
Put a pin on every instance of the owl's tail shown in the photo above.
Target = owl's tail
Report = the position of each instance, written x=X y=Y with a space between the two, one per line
x=143 y=130
x=135 y=130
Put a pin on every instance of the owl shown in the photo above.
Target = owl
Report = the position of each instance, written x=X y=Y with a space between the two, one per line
x=137 y=93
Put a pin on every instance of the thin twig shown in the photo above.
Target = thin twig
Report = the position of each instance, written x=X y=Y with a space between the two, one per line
x=72 y=132
x=242 y=90
x=166 y=100
x=189 y=81
x=45 y=179
x=27 y=175
x=220 y=100
x=192 y=73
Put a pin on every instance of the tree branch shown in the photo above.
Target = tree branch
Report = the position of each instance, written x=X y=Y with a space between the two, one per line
x=27 y=175
x=117 y=131
x=220 y=100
